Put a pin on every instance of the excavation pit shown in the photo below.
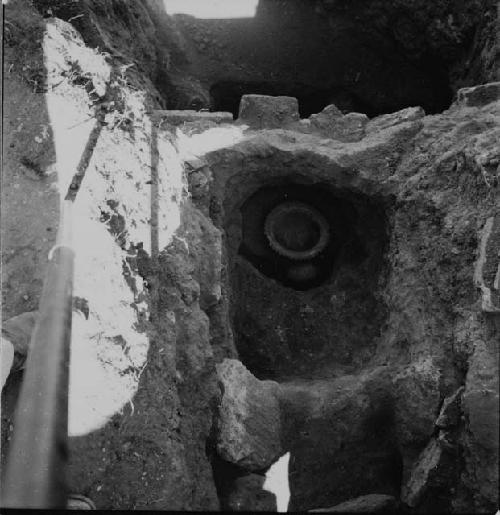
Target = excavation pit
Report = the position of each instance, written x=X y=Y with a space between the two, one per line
x=305 y=266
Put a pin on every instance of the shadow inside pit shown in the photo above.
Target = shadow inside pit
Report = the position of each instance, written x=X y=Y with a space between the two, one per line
x=347 y=452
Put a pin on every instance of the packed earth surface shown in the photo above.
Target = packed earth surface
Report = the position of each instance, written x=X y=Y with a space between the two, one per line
x=286 y=232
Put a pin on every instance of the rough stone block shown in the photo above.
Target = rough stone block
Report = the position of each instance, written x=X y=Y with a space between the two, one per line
x=267 y=112
x=249 y=418
x=372 y=503
x=478 y=95
x=389 y=120
x=331 y=123
x=329 y=114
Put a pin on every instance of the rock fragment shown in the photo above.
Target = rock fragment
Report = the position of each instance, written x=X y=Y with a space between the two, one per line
x=333 y=124
x=249 y=418
x=478 y=95
x=423 y=474
x=409 y=114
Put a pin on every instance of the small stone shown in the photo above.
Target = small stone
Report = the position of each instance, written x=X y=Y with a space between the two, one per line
x=79 y=502
x=325 y=120
x=330 y=122
x=371 y=503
